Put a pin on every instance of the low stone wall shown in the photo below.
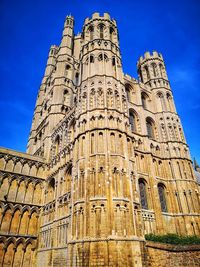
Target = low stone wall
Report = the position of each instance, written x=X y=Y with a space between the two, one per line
x=166 y=255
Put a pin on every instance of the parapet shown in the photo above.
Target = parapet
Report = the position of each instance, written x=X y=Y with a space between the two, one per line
x=148 y=55
x=97 y=15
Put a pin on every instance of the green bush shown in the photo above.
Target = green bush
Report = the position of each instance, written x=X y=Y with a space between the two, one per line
x=173 y=239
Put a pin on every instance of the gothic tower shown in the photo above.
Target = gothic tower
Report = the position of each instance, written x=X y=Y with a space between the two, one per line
x=107 y=161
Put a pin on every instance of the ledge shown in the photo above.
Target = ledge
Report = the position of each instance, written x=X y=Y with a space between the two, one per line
x=171 y=247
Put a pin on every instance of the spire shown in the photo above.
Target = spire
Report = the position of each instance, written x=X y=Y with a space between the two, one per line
x=66 y=45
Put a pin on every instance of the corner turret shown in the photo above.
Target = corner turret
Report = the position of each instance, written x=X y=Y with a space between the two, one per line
x=66 y=46
x=152 y=71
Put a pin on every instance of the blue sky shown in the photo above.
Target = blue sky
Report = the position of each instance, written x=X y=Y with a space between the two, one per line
x=28 y=28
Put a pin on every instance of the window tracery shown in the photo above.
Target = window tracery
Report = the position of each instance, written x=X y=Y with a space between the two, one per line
x=162 y=197
x=143 y=194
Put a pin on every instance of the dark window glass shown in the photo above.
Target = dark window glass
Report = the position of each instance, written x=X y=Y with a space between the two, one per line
x=150 y=130
x=161 y=192
x=101 y=29
x=132 y=122
x=143 y=195
x=144 y=101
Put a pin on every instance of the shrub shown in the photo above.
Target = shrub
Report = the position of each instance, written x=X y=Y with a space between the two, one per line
x=173 y=239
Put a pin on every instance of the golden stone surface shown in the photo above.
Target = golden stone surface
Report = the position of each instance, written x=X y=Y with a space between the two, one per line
x=107 y=162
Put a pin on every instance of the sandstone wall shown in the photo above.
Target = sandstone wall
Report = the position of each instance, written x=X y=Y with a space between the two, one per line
x=162 y=255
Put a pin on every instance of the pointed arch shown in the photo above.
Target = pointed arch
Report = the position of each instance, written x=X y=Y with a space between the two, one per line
x=144 y=99
x=91 y=32
x=150 y=127
x=101 y=28
x=143 y=193
x=161 y=101
x=147 y=72
x=133 y=119
x=162 y=197
x=154 y=69
x=15 y=221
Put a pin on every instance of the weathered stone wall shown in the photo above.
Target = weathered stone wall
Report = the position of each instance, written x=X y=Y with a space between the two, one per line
x=162 y=255
x=21 y=183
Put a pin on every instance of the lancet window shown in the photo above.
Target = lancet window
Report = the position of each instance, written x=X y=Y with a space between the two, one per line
x=150 y=128
x=162 y=197
x=143 y=194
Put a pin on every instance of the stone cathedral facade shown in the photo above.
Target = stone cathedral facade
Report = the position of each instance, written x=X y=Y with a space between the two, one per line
x=107 y=161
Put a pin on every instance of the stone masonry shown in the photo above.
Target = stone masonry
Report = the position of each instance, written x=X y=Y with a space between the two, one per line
x=107 y=161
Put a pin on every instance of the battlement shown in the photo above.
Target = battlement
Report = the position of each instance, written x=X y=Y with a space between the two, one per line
x=96 y=15
x=148 y=56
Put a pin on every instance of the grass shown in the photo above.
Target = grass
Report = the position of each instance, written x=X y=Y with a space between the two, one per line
x=173 y=239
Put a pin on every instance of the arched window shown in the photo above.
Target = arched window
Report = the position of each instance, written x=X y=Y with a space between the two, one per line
x=91 y=32
x=76 y=78
x=154 y=69
x=144 y=98
x=162 y=197
x=147 y=72
x=105 y=58
x=100 y=57
x=161 y=101
x=128 y=94
x=67 y=67
x=128 y=91
x=150 y=128
x=65 y=92
x=101 y=30
x=91 y=59
x=132 y=121
x=143 y=194
x=111 y=33
x=113 y=61
x=140 y=75
x=161 y=69
x=170 y=103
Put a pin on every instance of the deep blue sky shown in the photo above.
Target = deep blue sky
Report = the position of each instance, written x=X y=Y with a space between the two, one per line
x=28 y=28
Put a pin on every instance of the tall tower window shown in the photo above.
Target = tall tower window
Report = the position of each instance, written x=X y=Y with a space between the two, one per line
x=140 y=75
x=143 y=194
x=128 y=89
x=91 y=59
x=162 y=197
x=150 y=128
x=101 y=30
x=144 y=98
x=128 y=94
x=170 y=103
x=147 y=72
x=91 y=32
x=161 y=101
x=154 y=69
x=76 y=78
x=111 y=33
x=161 y=69
x=113 y=61
x=67 y=67
x=100 y=57
x=132 y=121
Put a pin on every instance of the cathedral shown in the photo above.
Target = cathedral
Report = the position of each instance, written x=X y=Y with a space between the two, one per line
x=106 y=164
